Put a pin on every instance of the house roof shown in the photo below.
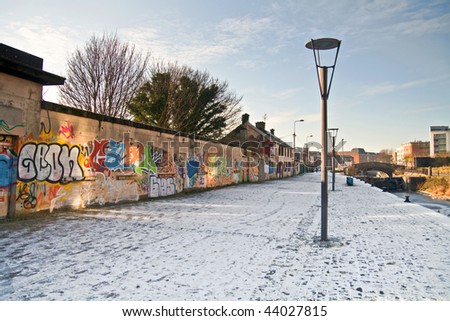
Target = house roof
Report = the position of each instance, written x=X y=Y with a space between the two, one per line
x=23 y=65
x=263 y=133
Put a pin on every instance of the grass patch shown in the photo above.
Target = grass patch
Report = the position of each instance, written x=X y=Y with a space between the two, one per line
x=437 y=186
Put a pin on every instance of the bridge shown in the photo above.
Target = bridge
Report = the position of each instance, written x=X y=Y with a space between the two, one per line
x=361 y=169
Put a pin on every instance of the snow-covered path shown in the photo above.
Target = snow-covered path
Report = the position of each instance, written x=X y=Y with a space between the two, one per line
x=246 y=242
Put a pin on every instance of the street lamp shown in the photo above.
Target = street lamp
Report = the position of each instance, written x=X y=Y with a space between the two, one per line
x=297 y=121
x=307 y=148
x=333 y=133
x=342 y=155
x=317 y=46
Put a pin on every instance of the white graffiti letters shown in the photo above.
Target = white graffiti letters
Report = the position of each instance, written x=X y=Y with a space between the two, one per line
x=161 y=186
x=53 y=163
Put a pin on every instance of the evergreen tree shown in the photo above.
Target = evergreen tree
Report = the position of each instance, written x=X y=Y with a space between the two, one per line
x=180 y=98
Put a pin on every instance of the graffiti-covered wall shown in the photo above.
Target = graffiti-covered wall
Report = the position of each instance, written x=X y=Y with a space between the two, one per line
x=54 y=156
x=81 y=159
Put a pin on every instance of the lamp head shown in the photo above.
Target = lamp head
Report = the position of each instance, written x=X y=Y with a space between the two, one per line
x=333 y=131
x=323 y=44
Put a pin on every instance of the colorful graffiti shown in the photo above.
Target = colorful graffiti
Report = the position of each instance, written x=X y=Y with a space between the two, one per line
x=6 y=128
x=47 y=193
x=66 y=130
x=219 y=171
x=7 y=170
x=27 y=195
x=192 y=171
x=35 y=196
x=60 y=169
x=54 y=163
x=108 y=155
x=143 y=159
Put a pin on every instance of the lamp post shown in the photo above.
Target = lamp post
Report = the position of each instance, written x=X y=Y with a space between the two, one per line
x=307 y=148
x=333 y=133
x=296 y=121
x=317 y=46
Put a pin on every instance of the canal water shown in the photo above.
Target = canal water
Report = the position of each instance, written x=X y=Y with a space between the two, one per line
x=440 y=206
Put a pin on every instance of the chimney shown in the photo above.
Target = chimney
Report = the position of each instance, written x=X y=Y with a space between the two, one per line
x=272 y=131
x=261 y=125
x=245 y=118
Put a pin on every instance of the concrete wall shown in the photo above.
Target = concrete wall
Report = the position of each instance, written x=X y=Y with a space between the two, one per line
x=20 y=105
x=80 y=159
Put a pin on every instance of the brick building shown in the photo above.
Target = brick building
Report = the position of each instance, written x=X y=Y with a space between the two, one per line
x=359 y=155
x=406 y=153
x=275 y=157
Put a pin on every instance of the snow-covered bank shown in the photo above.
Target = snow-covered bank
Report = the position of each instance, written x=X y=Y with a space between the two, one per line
x=247 y=242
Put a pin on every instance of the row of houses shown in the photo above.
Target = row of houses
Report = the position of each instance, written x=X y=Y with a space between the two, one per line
x=54 y=156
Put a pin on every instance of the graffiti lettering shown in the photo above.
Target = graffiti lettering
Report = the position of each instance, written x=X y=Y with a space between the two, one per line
x=98 y=155
x=161 y=186
x=27 y=195
x=53 y=163
x=67 y=130
x=46 y=194
x=114 y=156
x=5 y=127
x=192 y=171
x=111 y=156
x=147 y=165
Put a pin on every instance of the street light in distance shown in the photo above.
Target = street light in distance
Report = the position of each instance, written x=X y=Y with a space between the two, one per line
x=333 y=133
x=293 y=142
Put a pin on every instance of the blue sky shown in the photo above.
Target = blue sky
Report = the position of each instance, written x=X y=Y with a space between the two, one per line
x=392 y=79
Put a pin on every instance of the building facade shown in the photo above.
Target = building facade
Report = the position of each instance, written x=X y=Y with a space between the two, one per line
x=439 y=141
x=275 y=157
x=358 y=155
x=406 y=153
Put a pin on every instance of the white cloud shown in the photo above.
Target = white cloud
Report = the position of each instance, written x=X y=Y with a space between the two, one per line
x=428 y=109
x=388 y=87
x=251 y=64
x=51 y=43
x=147 y=39
x=287 y=93
x=41 y=39
x=242 y=29
x=191 y=46
x=421 y=26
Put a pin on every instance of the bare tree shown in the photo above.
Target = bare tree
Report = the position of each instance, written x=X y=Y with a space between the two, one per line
x=385 y=155
x=104 y=76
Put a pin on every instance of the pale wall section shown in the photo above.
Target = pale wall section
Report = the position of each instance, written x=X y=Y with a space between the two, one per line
x=20 y=104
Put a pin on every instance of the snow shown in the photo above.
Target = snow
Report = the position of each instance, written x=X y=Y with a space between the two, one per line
x=244 y=242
